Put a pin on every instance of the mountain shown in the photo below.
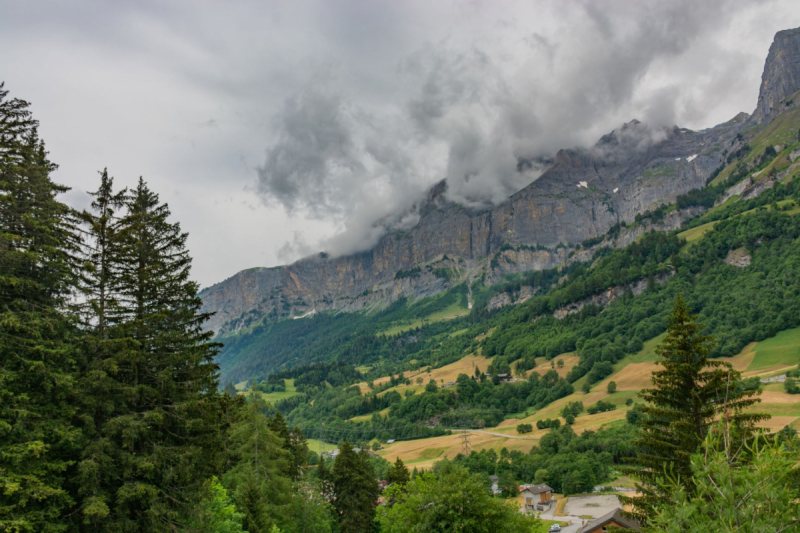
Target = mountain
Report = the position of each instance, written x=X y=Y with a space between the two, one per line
x=583 y=194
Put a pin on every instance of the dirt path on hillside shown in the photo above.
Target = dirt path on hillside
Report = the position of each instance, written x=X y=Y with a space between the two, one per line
x=494 y=433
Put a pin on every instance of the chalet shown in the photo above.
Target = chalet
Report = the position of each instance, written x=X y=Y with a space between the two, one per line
x=504 y=377
x=537 y=497
x=614 y=519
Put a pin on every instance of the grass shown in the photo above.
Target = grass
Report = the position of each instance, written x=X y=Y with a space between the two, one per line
x=318 y=446
x=465 y=365
x=648 y=352
x=272 y=397
x=560 y=504
x=781 y=350
x=696 y=233
x=368 y=416
x=781 y=131
x=455 y=310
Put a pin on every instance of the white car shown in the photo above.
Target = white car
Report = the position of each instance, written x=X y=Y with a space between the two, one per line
x=555 y=528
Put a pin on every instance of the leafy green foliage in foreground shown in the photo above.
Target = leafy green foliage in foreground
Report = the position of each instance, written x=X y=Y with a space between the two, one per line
x=744 y=490
x=450 y=499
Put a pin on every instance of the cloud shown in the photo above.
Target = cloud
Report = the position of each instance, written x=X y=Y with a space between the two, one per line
x=330 y=119
x=468 y=110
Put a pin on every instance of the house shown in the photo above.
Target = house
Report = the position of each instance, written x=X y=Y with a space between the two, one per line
x=614 y=519
x=495 y=487
x=390 y=441
x=537 y=497
x=504 y=377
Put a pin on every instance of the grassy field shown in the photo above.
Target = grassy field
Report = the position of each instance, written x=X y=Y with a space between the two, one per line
x=465 y=365
x=319 y=446
x=272 y=397
x=782 y=350
x=368 y=416
x=453 y=311
x=695 y=234
x=422 y=453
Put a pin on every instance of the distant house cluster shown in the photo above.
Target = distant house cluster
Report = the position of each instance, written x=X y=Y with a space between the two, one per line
x=335 y=453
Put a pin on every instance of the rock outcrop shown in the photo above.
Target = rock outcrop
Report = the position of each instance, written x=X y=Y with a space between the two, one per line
x=781 y=77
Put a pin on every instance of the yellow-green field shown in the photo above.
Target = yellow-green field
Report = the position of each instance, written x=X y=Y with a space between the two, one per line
x=448 y=313
x=773 y=355
x=318 y=446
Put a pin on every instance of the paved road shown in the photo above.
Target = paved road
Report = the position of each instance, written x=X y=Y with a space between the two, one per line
x=578 y=506
x=495 y=433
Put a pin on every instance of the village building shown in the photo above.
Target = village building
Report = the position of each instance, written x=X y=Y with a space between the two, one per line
x=537 y=497
x=614 y=519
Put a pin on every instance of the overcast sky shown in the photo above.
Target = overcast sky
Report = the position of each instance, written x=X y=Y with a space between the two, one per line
x=276 y=129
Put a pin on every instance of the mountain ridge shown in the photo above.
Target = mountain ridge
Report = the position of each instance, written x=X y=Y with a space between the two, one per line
x=580 y=196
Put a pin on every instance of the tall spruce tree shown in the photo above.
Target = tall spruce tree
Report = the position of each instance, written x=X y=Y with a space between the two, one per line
x=293 y=442
x=101 y=347
x=688 y=394
x=258 y=469
x=356 y=490
x=37 y=438
x=158 y=438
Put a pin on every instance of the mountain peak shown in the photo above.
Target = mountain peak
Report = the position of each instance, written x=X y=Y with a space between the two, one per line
x=781 y=76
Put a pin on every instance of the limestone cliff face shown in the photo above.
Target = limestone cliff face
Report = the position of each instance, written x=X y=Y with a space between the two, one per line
x=580 y=196
x=781 y=77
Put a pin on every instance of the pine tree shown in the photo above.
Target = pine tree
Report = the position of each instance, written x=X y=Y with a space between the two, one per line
x=158 y=439
x=257 y=476
x=688 y=394
x=37 y=439
x=356 y=490
x=293 y=442
x=398 y=473
x=101 y=347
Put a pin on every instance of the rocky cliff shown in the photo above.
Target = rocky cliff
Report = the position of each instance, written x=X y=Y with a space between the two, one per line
x=781 y=77
x=580 y=196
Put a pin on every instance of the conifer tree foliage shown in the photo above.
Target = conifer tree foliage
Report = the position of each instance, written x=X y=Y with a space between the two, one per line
x=687 y=395
x=293 y=442
x=398 y=473
x=356 y=490
x=153 y=411
x=258 y=469
x=37 y=439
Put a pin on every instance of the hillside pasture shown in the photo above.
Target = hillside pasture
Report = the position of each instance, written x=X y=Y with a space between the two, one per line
x=423 y=453
x=465 y=365
x=780 y=352
x=272 y=397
